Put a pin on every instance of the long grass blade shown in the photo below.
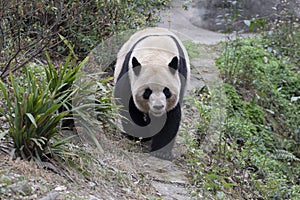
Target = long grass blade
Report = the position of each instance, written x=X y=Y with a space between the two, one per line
x=30 y=116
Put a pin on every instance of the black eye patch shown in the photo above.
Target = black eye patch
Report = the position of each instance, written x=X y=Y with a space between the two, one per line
x=147 y=93
x=167 y=92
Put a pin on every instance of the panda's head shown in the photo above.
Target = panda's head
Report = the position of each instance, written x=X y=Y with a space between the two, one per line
x=155 y=86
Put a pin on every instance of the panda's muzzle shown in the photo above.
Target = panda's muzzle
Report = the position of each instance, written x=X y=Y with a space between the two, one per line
x=158 y=110
x=157 y=104
x=157 y=113
x=158 y=107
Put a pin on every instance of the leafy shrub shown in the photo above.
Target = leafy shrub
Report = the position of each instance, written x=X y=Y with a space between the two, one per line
x=40 y=99
x=61 y=81
x=28 y=29
x=262 y=78
x=32 y=116
x=263 y=118
x=283 y=38
x=257 y=155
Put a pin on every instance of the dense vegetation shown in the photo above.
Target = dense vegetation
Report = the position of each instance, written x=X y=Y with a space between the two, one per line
x=29 y=28
x=257 y=155
x=258 y=152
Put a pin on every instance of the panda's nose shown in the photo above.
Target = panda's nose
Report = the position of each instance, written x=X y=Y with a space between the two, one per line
x=158 y=107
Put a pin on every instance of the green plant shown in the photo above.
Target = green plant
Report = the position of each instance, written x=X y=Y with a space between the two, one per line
x=257 y=155
x=262 y=118
x=61 y=83
x=283 y=38
x=201 y=101
x=105 y=109
x=192 y=49
x=61 y=79
x=32 y=116
x=30 y=29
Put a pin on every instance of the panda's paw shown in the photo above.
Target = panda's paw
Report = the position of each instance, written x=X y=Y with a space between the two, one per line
x=163 y=155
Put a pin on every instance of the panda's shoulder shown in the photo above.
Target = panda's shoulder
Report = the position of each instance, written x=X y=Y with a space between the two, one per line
x=147 y=33
x=153 y=31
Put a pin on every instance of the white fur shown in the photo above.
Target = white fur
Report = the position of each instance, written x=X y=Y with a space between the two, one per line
x=154 y=53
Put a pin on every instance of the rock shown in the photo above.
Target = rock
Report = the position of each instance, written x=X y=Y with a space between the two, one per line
x=21 y=188
x=92 y=197
x=53 y=195
x=60 y=188
x=167 y=191
x=209 y=14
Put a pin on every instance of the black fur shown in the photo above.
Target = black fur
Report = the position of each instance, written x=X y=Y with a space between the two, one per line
x=136 y=66
x=168 y=132
x=147 y=93
x=138 y=117
x=167 y=92
x=174 y=64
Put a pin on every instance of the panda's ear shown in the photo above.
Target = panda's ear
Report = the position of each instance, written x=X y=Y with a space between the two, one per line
x=136 y=66
x=173 y=64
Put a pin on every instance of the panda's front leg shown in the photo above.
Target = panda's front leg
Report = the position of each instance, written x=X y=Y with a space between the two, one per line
x=163 y=142
x=165 y=152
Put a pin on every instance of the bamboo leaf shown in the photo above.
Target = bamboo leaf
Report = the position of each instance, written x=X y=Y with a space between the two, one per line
x=5 y=94
x=93 y=137
x=63 y=141
x=38 y=142
x=30 y=116
x=68 y=45
x=3 y=134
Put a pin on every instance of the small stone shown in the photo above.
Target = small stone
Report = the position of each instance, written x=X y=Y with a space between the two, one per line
x=51 y=196
x=60 y=188
x=91 y=197
x=22 y=187
x=3 y=118
x=92 y=184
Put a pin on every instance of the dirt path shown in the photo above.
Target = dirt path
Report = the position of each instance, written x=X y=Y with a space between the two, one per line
x=170 y=178
x=179 y=19
x=203 y=72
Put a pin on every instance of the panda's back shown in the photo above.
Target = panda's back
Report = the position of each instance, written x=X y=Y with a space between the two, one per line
x=155 y=50
x=158 y=43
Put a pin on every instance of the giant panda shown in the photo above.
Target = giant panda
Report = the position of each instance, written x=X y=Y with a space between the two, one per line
x=151 y=74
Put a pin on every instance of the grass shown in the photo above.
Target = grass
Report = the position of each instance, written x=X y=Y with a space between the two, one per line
x=32 y=116
x=257 y=155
